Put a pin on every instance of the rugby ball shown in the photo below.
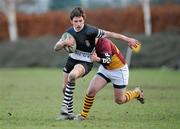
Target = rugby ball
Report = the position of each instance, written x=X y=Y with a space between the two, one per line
x=69 y=38
x=137 y=49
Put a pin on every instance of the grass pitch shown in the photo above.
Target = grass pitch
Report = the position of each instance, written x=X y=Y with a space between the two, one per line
x=30 y=99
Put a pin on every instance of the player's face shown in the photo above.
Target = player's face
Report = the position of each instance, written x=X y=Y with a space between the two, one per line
x=78 y=23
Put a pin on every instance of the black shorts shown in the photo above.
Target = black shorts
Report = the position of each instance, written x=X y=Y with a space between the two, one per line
x=72 y=62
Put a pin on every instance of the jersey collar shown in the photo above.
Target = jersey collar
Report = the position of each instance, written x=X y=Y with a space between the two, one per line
x=78 y=31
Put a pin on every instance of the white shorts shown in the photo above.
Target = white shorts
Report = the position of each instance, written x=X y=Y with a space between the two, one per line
x=119 y=77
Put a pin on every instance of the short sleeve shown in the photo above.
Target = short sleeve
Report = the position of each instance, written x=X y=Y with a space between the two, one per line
x=100 y=33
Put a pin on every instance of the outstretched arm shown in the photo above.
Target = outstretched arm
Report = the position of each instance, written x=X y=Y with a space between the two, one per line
x=131 y=41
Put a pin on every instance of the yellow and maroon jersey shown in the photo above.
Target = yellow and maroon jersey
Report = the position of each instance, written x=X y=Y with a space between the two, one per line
x=105 y=46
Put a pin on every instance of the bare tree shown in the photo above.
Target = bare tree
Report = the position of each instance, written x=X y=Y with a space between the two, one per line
x=9 y=9
x=147 y=16
x=147 y=26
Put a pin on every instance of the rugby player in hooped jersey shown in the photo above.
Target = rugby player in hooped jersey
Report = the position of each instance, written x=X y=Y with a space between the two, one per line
x=113 y=69
x=79 y=63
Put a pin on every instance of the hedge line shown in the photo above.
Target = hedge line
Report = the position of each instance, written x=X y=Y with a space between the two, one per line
x=129 y=19
x=161 y=49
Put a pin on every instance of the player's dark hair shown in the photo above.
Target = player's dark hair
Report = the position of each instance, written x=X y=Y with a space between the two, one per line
x=77 y=12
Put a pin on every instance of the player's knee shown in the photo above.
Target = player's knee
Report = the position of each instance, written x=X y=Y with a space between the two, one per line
x=91 y=93
x=72 y=77
x=119 y=100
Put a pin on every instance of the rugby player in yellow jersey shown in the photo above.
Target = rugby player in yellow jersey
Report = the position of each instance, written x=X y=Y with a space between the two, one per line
x=113 y=69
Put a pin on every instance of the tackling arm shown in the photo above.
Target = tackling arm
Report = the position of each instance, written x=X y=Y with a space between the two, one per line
x=105 y=60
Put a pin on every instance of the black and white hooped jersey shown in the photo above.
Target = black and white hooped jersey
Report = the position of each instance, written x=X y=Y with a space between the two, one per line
x=85 y=41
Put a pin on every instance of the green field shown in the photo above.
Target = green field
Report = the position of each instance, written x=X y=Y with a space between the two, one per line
x=30 y=99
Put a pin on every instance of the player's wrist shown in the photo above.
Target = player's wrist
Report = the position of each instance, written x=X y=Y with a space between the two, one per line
x=98 y=59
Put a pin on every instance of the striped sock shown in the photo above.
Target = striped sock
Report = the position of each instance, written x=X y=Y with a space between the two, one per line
x=70 y=107
x=131 y=95
x=68 y=96
x=88 y=102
